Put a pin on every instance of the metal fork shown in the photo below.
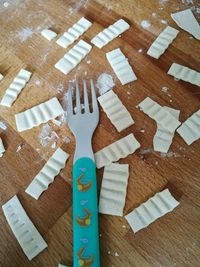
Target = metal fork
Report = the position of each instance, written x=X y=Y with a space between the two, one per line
x=85 y=211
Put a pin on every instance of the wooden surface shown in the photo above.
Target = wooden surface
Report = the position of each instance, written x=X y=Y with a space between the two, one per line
x=171 y=241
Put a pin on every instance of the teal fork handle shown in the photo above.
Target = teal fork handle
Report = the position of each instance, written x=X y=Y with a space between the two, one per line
x=85 y=214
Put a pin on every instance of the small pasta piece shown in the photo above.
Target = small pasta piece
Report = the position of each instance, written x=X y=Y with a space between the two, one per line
x=113 y=189
x=119 y=149
x=115 y=110
x=22 y=227
x=47 y=174
x=48 y=34
x=1 y=76
x=149 y=211
x=2 y=148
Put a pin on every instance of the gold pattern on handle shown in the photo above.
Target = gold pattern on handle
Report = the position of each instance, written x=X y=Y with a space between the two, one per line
x=84 y=262
x=81 y=186
x=84 y=221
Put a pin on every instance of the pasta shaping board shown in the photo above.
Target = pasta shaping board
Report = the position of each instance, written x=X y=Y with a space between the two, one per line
x=187 y=21
x=184 y=73
x=115 y=110
x=48 y=34
x=47 y=174
x=113 y=189
x=149 y=211
x=38 y=114
x=162 y=42
x=74 y=32
x=121 y=66
x=73 y=57
x=119 y=149
x=25 y=232
x=108 y=34
x=15 y=88
x=190 y=129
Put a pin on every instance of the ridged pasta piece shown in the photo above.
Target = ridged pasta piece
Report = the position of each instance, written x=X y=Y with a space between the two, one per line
x=1 y=77
x=15 y=88
x=115 y=110
x=190 y=129
x=73 y=57
x=2 y=149
x=159 y=114
x=25 y=232
x=184 y=73
x=163 y=137
x=164 y=39
x=119 y=149
x=108 y=34
x=74 y=32
x=121 y=66
x=48 y=34
x=38 y=114
x=47 y=174
x=113 y=189
x=187 y=21
x=149 y=211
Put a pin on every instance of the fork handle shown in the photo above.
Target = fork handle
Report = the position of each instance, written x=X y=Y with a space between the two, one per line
x=85 y=214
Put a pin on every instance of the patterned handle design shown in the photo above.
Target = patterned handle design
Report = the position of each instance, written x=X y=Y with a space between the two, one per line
x=85 y=214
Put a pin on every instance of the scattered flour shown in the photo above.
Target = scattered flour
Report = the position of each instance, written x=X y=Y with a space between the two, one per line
x=24 y=34
x=3 y=126
x=116 y=254
x=105 y=83
x=38 y=82
x=60 y=88
x=140 y=50
x=88 y=61
x=165 y=89
x=163 y=21
x=146 y=151
x=145 y=24
x=153 y=14
x=53 y=145
x=47 y=136
x=170 y=154
x=197 y=10
x=66 y=139
x=187 y=2
x=109 y=252
x=19 y=147
x=5 y=4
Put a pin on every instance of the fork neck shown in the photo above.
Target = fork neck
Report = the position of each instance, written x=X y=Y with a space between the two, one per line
x=83 y=148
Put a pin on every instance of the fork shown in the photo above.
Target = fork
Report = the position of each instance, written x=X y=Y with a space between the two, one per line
x=85 y=212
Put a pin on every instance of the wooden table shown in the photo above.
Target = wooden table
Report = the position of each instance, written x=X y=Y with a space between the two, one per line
x=173 y=240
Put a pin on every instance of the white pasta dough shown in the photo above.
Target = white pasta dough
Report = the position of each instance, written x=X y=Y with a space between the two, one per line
x=25 y=232
x=2 y=149
x=15 y=88
x=115 y=110
x=190 y=129
x=108 y=34
x=162 y=42
x=38 y=114
x=47 y=174
x=184 y=73
x=119 y=149
x=149 y=211
x=113 y=189
x=48 y=34
x=121 y=66
x=74 y=32
x=73 y=57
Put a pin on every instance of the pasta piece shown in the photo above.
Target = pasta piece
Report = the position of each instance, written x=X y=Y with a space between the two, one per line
x=74 y=32
x=15 y=88
x=184 y=73
x=163 y=137
x=121 y=67
x=159 y=114
x=113 y=189
x=108 y=34
x=149 y=211
x=25 y=232
x=1 y=77
x=47 y=174
x=2 y=149
x=187 y=21
x=164 y=39
x=38 y=114
x=73 y=57
x=190 y=129
x=115 y=110
x=60 y=265
x=48 y=34
x=119 y=149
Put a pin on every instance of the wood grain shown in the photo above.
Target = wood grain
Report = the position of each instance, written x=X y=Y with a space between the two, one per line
x=174 y=239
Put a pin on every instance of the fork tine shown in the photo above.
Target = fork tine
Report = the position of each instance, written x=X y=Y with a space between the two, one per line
x=78 y=101
x=94 y=98
x=86 y=102
x=69 y=100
